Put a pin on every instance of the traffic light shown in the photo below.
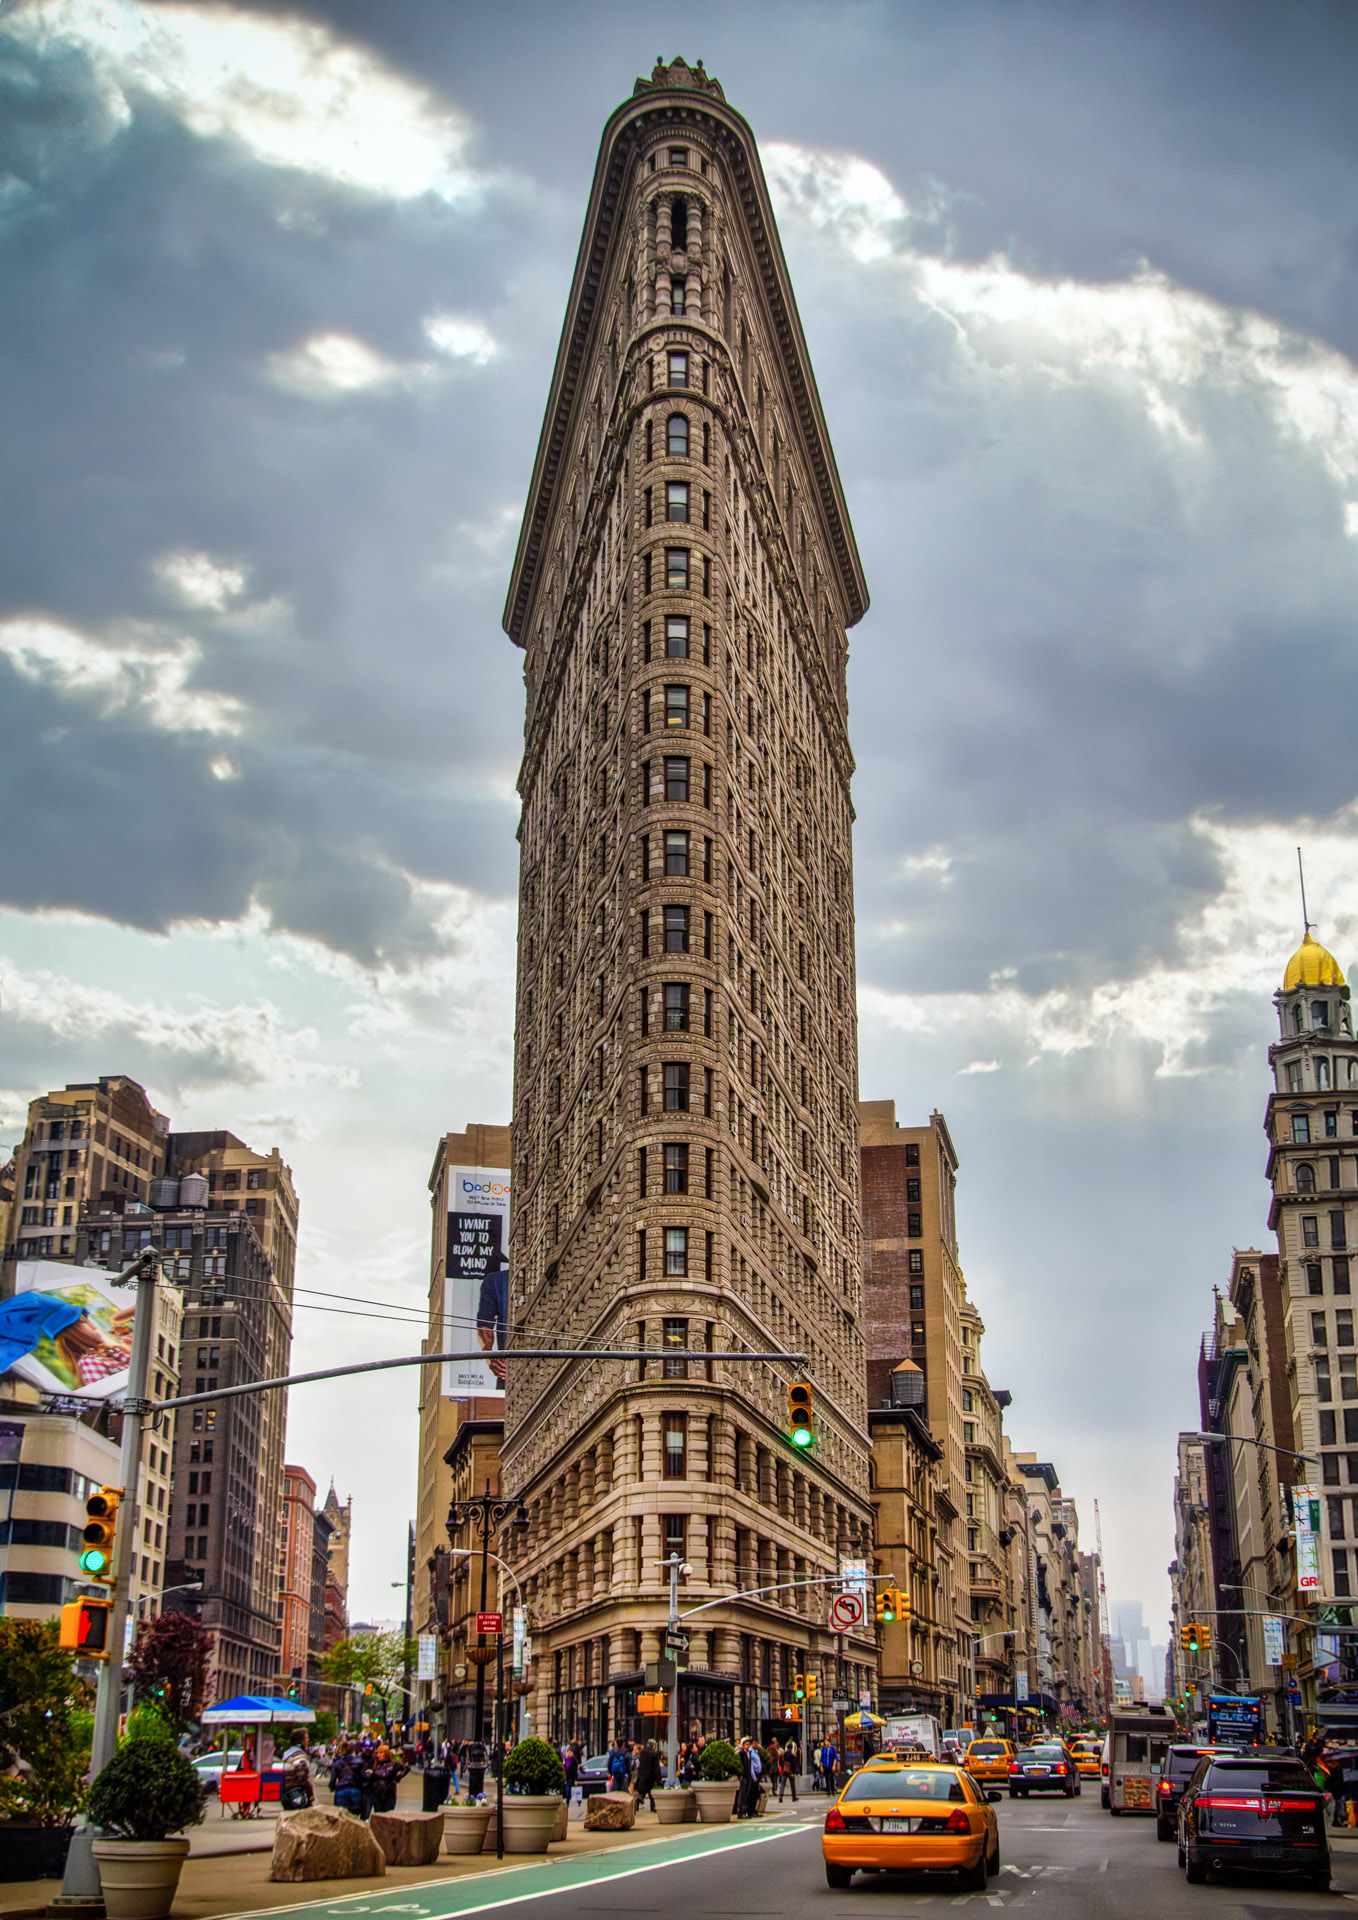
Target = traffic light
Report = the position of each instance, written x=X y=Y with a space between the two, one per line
x=812 y=1687
x=1192 y=1637
x=84 y=1628
x=101 y=1524
x=1205 y=1638
x=892 y=1605
x=799 y=1686
x=801 y=1415
x=654 y=1705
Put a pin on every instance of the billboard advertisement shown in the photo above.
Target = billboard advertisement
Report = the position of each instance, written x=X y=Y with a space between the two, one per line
x=1306 y=1513
x=67 y=1331
x=476 y=1278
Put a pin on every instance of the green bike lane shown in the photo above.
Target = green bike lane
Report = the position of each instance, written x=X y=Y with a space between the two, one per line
x=536 y=1880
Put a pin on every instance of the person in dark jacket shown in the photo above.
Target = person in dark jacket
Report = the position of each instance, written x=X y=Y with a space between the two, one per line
x=647 y=1775
x=747 y=1794
x=346 y=1779
x=386 y=1772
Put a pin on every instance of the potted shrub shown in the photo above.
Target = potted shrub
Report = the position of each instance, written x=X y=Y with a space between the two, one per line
x=142 y=1802
x=715 y=1790
x=535 y=1796
x=44 y=1750
x=674 y=1805
x=465 y=1823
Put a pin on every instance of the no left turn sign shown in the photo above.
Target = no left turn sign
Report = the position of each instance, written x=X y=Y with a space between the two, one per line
x=846 y=1612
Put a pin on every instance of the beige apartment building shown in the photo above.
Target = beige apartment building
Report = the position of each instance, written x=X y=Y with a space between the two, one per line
x=81 y=1141
x=685 y=1159
x=989 y=1586
x=1193 y=1584
x=905 y=1463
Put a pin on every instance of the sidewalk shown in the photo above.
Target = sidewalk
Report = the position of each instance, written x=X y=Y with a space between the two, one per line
x=230 y=1874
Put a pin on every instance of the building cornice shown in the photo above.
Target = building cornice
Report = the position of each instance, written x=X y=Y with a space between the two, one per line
x=679 y=106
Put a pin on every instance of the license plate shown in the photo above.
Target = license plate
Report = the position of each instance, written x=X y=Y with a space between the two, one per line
x=1037 y=1769
x=898 y=1826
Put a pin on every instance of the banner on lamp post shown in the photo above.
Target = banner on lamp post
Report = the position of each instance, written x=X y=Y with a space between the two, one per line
x=1273 y=1640
x=1306 y=1515
x=428 y=1663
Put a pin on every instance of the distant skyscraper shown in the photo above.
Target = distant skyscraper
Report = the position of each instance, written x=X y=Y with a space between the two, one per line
x=685 y=1157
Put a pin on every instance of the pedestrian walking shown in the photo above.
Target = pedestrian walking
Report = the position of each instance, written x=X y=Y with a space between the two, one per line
x=647 y=1774
x=829 y=1763
x=788 y=1763
x=617 y=1768
x=346 y=1779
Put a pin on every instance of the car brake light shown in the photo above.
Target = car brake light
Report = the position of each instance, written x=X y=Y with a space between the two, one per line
x=1289 y=1806
x=1060 y=1767
x=958 y=1823
x=834 y=1821
x=1165 y=1787
x=1013 y=1766
x=1228 y=1800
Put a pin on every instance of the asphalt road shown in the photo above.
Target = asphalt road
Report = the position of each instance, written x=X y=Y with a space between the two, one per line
x=1065 y=1859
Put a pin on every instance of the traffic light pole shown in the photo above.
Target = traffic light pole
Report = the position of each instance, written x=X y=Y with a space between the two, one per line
x=108 y=1704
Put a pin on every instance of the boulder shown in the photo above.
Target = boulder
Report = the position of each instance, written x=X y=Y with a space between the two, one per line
x=324 y=1843
x=610 y=1813
x=408 y=1839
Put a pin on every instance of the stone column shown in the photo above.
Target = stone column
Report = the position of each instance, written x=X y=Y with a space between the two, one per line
x=725 y=1656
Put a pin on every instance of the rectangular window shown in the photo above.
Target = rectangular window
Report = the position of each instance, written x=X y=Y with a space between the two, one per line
x=912 y=1153
x=676 y=500
x=1337 y=1235
x=676 y=1251
x=676 y=1168
x=674 y=1526
x=676 y=1006
x=645 y=933
x=1314 y=1279
x=678 y=369
x=676 y=638
x=969 y=1432
x=912 y=1191
x=641 y=1173
x=967 y=1400
x=676 y=1086
x=1327 y=1432
x=916 y=1262
x=1323 y=1388
x=676 y=929
x=1301 y=1127
x=707 y=991
x=1341 y=1571
x=676 y=1446
x=1340 y=1266
x=707 y=1092
x=707 y=785
x=645 y=783
x=914 y=1225
x=1348 y=1376
x=676 y=706
x=1310 y=1230
x=676 y=854
x=1332 y=1131
x=1318 y=1330
x=676 y=1335
x=679 y=156
x=643 y=1090
x=709 y=1161
x=1343 y=1327
x=676 y=569
x=676 y=779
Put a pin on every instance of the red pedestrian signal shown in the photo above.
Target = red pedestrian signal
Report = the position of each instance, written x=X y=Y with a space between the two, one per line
x=84 y=1628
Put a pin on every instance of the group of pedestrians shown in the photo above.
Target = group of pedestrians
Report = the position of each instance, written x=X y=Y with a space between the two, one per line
x=364 y=1776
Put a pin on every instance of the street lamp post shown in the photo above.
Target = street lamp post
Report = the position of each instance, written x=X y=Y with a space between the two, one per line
x=492 y=1511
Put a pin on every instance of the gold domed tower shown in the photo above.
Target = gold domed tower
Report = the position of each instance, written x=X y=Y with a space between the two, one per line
x=1312 y=1128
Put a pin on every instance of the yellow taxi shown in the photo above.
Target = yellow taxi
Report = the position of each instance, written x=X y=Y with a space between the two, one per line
x=899 y=1816
x=1087 y=1751
x=987 y=1761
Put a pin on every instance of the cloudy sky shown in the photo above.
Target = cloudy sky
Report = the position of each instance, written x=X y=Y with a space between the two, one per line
x=280 y=289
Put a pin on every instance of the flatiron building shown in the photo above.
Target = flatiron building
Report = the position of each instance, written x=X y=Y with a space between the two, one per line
x=685 y=1139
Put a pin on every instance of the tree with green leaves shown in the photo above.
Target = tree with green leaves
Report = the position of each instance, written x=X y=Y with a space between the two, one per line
x=374 y=1666
x=43 y=1719
x=168 y=1667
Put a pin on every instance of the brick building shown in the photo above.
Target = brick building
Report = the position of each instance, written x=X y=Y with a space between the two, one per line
x=685 y=1142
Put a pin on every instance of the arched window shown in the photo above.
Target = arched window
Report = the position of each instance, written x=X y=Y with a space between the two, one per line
x=1305 y=1175
x=678 y=436
x=1320 y=1013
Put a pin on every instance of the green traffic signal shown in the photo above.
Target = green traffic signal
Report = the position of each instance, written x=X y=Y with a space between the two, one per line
x=93 y=1560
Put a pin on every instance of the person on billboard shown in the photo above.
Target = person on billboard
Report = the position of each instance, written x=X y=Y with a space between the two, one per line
x=492 y=1311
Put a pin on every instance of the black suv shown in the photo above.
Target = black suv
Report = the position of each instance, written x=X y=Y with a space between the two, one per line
x=1254 y=1813
x=1177 y=1769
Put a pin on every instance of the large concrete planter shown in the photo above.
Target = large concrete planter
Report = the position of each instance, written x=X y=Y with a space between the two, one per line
x=464 y=1828
x=716 y=1801
x=675 y=1806
x=530 y=1821
x=561 y=1831
x=140 y=1876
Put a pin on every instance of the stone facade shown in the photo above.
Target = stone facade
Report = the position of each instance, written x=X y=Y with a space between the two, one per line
x=685 y=1143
